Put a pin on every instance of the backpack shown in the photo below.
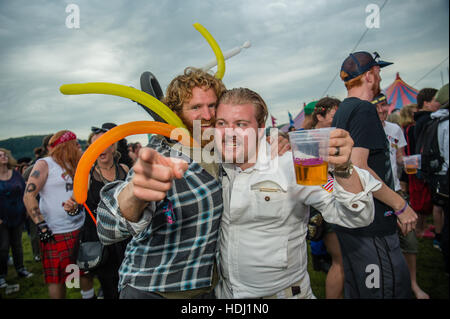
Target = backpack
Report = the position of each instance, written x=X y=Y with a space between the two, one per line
x=428 y=147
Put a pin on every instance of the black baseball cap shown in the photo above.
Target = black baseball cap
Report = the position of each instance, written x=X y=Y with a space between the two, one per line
x=105 y=128
x=379 y=98
x=360 y=62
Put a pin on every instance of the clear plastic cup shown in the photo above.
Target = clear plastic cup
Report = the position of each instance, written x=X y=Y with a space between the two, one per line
x=310 y=155
x=412 y=163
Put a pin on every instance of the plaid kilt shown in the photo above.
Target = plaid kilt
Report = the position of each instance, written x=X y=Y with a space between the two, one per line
x=57 y=254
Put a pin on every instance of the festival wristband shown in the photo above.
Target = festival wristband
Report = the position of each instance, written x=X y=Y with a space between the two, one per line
x=399 y=212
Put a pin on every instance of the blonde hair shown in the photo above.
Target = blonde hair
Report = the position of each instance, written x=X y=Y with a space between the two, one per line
x=241 y=96
x=66 y=154
x=11 y=160
x=179 y=90
x=407 y=115
x=394 y=118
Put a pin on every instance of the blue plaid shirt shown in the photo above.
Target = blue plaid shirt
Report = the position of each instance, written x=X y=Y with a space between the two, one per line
x=177 y=248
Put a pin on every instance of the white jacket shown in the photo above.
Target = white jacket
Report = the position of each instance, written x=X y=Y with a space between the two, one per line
x=264 y=224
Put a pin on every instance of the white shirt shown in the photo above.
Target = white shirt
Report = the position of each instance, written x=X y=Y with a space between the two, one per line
x=57 y=189
x=396 y=140
x=264 y=223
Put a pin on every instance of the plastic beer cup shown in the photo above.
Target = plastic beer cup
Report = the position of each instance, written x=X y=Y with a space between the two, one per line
x=412 y=163
x=310 y=155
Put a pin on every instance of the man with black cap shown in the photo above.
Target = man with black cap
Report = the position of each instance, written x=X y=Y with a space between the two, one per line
x=395 y=136
x=374 y=266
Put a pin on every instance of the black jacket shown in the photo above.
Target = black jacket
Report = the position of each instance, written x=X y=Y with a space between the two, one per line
x=420 y=118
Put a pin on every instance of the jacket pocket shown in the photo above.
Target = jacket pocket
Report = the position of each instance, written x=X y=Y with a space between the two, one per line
x=269 y=200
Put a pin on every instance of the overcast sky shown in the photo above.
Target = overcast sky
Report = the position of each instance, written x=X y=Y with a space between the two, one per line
x=297 y=49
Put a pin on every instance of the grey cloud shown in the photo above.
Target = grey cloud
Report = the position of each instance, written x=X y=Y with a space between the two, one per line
x=297 y=48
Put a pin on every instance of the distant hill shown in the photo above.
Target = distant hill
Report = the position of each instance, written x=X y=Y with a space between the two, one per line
x=24 y=146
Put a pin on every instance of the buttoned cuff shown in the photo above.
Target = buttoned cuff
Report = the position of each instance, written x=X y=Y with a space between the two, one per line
x=356 y=210
x=134 y=227
x=356 y=202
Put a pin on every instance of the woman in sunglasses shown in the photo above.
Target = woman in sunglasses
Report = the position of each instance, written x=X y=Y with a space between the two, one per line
x=106 y=169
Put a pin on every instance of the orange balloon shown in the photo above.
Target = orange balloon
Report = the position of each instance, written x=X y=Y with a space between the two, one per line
x=81 y=179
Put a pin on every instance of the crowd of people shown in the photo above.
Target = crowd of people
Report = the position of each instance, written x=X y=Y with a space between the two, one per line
x=162 y=222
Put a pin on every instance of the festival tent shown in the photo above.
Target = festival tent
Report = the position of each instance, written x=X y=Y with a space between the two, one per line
x=298 y=120
x=399 y=93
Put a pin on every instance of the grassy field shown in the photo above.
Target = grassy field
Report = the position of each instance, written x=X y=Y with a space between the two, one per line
x=34 y=287
x=430 y=276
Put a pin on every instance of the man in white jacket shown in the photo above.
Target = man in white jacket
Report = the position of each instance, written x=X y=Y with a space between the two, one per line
x=263 y=248
x=262 y=242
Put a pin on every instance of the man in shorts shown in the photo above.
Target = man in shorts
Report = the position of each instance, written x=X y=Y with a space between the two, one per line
x=374 y=266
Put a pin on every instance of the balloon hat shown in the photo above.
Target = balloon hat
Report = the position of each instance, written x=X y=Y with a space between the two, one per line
x=174 y=128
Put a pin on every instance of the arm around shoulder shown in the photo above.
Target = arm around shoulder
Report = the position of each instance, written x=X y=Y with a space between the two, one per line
x=356 y=210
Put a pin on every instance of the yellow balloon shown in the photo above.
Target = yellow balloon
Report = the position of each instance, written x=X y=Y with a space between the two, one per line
x=127 y=92
x=213 y=44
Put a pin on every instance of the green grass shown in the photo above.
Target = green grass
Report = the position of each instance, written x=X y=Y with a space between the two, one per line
x=34 y=287
x=431 y=276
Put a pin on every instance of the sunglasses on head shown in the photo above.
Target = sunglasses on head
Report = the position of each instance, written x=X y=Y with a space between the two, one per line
x=97 y=130
x=376 y=56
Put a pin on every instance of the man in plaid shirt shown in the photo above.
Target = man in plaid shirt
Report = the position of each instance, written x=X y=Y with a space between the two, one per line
x=173 y=250
x=175 y=231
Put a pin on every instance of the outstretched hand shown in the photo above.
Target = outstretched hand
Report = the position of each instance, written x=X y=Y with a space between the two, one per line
x=154 y=173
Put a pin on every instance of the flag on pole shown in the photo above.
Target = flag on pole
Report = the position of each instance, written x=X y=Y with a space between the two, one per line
x=274 y=124
x=291 y=121
x=298 y=121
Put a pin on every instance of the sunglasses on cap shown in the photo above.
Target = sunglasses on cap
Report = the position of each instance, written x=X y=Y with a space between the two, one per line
x=97 y=130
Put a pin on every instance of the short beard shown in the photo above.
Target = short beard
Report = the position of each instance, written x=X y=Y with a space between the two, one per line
x=190 y=128
x=376 y=89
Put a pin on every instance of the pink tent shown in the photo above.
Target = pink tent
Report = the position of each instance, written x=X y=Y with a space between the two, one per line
x=399 y=93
